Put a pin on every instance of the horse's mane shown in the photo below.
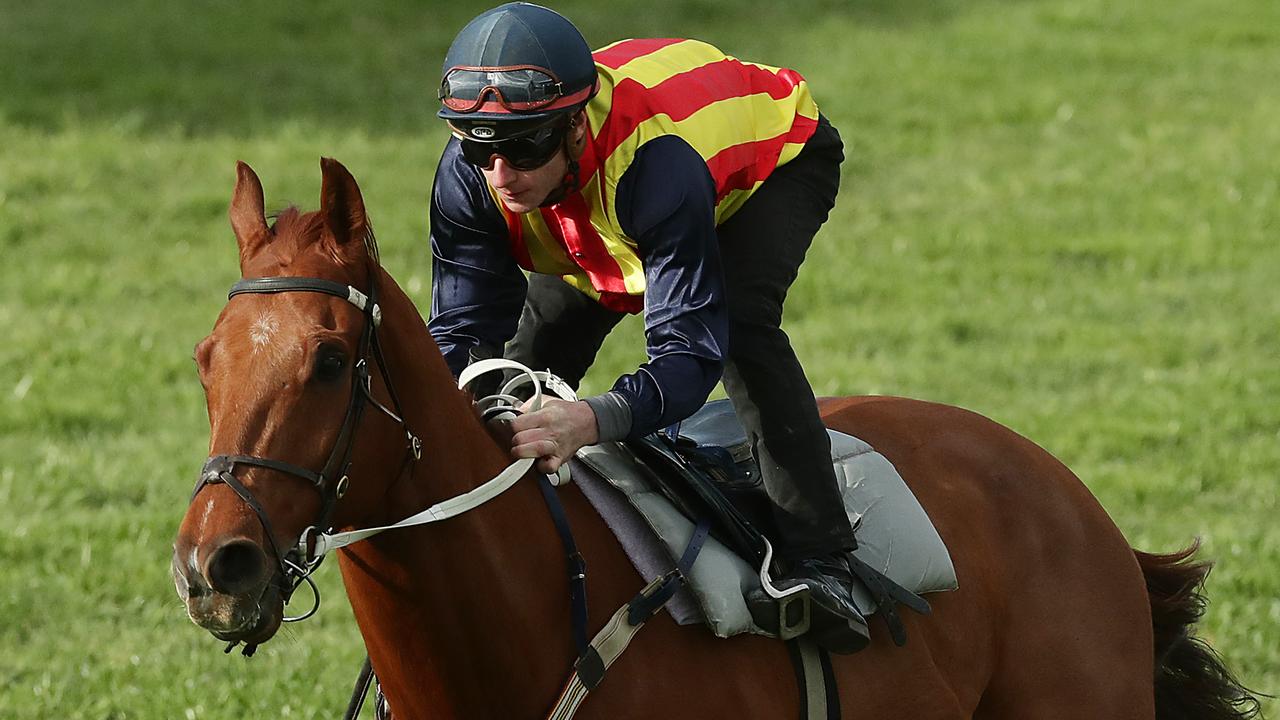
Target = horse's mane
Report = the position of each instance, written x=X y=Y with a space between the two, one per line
x=302 y=230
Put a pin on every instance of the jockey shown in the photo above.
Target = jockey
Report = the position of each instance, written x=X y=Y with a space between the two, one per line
x=654 y=176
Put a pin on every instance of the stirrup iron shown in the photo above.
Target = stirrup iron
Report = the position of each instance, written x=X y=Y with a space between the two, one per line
x=793 y=603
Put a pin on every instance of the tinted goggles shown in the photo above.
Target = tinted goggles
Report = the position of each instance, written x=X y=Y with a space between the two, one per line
x=526 y=152
x=517 y=88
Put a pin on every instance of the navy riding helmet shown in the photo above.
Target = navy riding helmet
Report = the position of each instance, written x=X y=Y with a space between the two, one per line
x=512 y=72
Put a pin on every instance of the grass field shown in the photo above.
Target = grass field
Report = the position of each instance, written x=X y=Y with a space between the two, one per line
x=1059 y=213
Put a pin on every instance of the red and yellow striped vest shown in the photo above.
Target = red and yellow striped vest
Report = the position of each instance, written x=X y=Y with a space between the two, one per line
x=744 y=119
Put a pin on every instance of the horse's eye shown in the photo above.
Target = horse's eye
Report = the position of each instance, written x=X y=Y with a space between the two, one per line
x=330 y=364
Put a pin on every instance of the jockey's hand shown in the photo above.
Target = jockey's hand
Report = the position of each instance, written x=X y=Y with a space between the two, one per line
x=554 y=433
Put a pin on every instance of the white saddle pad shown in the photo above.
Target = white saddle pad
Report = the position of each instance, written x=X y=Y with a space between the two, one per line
x=895 y=536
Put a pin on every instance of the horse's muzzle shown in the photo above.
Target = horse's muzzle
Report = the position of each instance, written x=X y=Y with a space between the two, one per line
x=231 y=598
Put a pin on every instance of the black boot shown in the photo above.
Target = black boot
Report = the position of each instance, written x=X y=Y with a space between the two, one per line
x=834 y=622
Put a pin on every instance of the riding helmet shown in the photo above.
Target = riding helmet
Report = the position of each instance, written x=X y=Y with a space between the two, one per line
x=512 y=70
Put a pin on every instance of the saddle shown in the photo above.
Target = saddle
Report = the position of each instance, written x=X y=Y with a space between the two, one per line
x=652 y=492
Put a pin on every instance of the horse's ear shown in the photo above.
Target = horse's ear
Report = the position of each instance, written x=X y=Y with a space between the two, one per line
x=248 y=219
x=341 y=203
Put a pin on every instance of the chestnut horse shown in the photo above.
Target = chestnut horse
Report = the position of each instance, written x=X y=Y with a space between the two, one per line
x=1056 y=616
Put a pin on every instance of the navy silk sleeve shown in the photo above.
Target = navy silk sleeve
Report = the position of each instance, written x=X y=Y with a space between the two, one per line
x=666 y=203
x=477 y=289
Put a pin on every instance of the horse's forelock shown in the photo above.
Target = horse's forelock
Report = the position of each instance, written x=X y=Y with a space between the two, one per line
x=295 y=232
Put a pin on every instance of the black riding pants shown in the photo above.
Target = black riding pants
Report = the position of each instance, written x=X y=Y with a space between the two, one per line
x=761 y=247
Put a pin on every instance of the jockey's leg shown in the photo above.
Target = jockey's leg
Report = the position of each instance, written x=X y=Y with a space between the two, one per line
x=561 y=329
x=762 y=248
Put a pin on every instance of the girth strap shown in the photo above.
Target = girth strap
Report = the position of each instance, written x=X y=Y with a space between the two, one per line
x=819 y=696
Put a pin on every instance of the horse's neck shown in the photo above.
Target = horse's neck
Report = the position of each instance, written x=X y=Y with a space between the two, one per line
x=451 y=610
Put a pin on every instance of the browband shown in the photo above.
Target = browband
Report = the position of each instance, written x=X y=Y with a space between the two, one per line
x=306 y=284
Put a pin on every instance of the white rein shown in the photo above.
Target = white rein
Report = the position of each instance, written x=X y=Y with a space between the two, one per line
x=503 y=405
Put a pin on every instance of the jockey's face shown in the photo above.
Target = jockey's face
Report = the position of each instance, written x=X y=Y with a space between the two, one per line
x=524 y=191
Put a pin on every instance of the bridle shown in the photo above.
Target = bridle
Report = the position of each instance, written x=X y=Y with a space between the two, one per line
x=296 y=565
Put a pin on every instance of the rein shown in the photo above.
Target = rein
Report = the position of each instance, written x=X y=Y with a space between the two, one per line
x=501 y=403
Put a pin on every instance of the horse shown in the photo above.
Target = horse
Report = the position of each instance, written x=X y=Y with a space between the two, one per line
x=1056 y=616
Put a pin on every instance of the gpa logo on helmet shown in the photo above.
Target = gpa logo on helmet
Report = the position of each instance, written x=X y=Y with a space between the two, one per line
x=482 y=132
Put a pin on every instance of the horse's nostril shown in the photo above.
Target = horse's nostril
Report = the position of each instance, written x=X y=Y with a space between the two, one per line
x=237 y=567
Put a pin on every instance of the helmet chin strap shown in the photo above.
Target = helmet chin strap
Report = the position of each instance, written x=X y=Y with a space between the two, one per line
x=571 y=180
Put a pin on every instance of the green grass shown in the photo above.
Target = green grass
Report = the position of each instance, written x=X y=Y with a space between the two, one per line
x=1060 y=214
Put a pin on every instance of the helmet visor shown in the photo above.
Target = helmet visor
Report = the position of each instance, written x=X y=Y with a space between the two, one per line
x=519 y=88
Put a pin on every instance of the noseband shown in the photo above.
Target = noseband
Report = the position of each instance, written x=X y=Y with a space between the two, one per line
x=296 y=565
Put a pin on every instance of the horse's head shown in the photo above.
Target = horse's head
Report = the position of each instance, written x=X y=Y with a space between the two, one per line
x=286 y=377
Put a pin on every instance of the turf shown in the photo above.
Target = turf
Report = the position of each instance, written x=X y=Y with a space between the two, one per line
x=1059 y=214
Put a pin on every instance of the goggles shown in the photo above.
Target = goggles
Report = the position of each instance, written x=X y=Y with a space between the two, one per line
x=517 y=88
x=526 y=152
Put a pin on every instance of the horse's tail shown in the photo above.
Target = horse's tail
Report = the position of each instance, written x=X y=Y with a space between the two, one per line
x=1192 y=682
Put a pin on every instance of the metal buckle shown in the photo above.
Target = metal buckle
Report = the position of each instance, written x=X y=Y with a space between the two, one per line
x=556 y=386
x=363 y=377
x=304 y=548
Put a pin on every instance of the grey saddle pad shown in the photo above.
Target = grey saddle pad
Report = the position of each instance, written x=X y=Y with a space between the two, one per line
x=894 y=534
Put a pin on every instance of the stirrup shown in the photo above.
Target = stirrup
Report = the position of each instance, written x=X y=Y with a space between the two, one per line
x=793 y=603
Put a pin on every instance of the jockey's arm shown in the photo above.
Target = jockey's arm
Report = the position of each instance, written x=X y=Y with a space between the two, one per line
x=477 y=289
x=666 y=203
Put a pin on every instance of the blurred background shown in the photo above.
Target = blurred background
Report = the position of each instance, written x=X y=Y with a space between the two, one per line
x=1059 y=213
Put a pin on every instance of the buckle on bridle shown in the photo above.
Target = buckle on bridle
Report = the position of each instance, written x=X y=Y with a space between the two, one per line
x=303 y=549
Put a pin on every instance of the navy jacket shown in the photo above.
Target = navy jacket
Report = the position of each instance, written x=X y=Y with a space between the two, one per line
x=666 y=204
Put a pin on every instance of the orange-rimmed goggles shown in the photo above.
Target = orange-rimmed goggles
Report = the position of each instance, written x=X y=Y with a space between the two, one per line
x=513 y=88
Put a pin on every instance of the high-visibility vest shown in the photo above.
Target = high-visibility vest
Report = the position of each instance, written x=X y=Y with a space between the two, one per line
x=743 y=118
